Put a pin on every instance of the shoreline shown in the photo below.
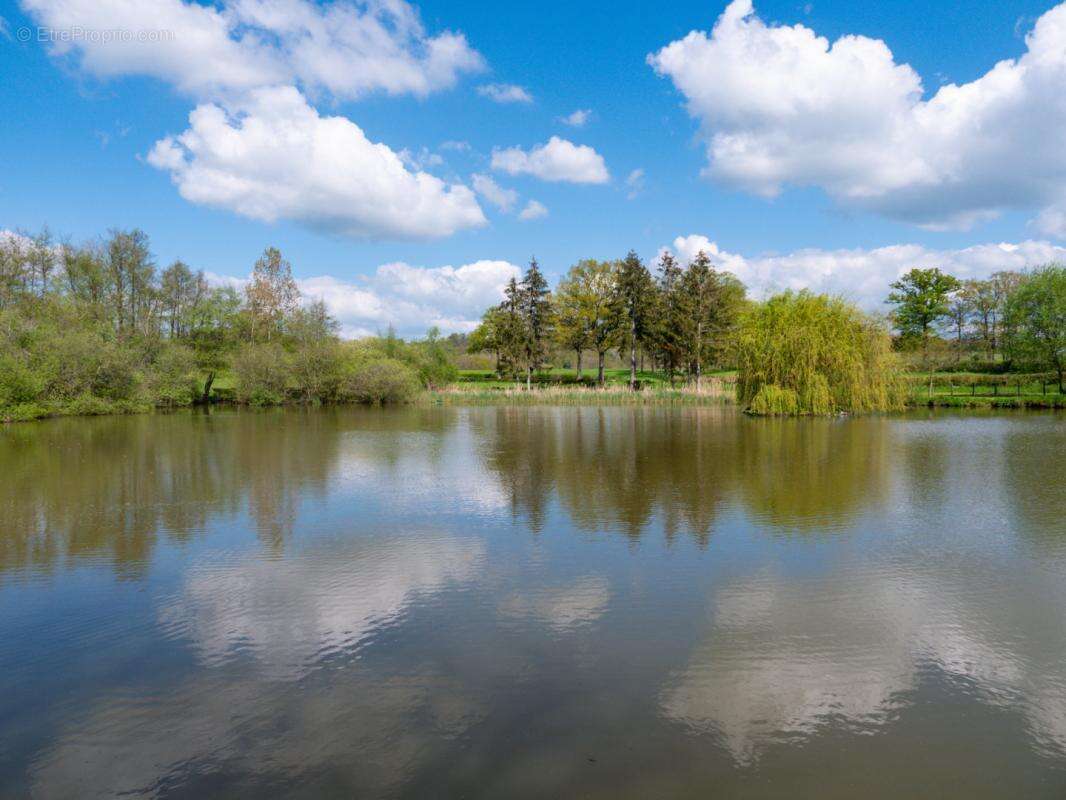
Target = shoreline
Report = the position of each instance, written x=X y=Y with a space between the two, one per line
x=714 y=395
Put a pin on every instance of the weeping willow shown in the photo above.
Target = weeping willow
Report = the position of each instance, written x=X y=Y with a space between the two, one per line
x=815 y=355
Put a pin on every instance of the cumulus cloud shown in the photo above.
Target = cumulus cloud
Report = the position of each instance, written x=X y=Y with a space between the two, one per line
x=578 y=118
x=558 y=160
x=345 y=48
x=413 y=298
x=503 y=199
x=863 y=275
x=505 y=93
x=534 y=210
x=782 y=106
x=273 y=156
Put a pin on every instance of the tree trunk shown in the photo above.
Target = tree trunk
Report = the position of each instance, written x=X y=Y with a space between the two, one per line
x=699 y=353
x=207 y=388
x=529 y=377
x=599 y=377
x=633 y=355
x=579 y=365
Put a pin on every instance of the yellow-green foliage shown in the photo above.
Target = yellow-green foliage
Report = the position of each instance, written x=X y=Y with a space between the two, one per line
x=814 y=354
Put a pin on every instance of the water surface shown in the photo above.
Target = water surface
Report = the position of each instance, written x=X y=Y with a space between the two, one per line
x=533 y=602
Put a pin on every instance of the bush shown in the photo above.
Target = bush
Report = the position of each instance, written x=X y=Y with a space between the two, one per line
x=382 y=380
x=316 y=371
x=173 y=378
x=814 y=354
x=262 y=372
x=18 y=383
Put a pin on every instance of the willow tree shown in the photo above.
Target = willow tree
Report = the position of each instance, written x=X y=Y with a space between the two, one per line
x=814 y=354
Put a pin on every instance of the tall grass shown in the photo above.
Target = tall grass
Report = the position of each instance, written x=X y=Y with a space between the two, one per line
x=713 y=391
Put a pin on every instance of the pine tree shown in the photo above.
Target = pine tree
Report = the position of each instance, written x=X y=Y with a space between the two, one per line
x=635 y=301
x=534 y=302
x=668 y=341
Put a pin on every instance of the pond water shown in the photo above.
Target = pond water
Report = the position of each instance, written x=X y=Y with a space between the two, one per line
x=533 y=602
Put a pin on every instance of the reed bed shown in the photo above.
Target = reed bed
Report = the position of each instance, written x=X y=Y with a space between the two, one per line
x=712 y=391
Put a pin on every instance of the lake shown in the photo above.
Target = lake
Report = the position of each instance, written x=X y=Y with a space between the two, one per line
x=533 y=602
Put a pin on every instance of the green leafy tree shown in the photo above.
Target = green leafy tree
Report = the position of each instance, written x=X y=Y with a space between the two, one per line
x=1036 y=312
x=583 y=311
x=922 y=298
x=213 y=333
x=635 y=302
x=814 y=354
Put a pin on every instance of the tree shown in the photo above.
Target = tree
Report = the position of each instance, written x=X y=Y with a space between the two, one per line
x=709 y=305
x=922 y=298
x=669 y=323
x=1003 y=285
x=814 y=354
x=583 y=311
x=272 y=294
x=1036 y=312
x=634 y=304
x=535 y=308
x=179 y=290
x=960 y=307
x=131 y=272
x=212 y=333
x=980 y=295
x=486 y=337
x=510 y=331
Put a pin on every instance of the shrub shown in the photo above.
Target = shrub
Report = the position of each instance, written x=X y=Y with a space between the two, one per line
x=381 y=380
x=173 y=379
x=829 y=355
x=315 y=369
x=261 y=371
x=18 y=383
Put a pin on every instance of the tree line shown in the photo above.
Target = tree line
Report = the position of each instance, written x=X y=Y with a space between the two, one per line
x=100 y=327
x=823 y=353
x=1012 y=319
x=684 y=318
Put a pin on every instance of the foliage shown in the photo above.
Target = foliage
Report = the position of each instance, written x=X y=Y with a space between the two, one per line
x=813 y=354
x=1036 y=315
x=261 y=373
x=379 y=381
x=635 y=303
x=173 y=379
x=922 y=298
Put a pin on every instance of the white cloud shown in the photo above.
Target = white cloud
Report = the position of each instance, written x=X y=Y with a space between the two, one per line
x=503 y=199
x=578 y=118
x=413 y=298
x=634 y=183
x=1052 y=221
x=345 y=48
x=781 y=106
x=275 y=157
x=864 y=275
x=558 y=160
x=505 y=93
x=534 y=210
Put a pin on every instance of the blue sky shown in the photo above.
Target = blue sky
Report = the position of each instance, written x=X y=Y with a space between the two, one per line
x=829 y=151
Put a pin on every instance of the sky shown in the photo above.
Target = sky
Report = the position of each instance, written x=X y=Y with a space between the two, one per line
x=408 y=159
